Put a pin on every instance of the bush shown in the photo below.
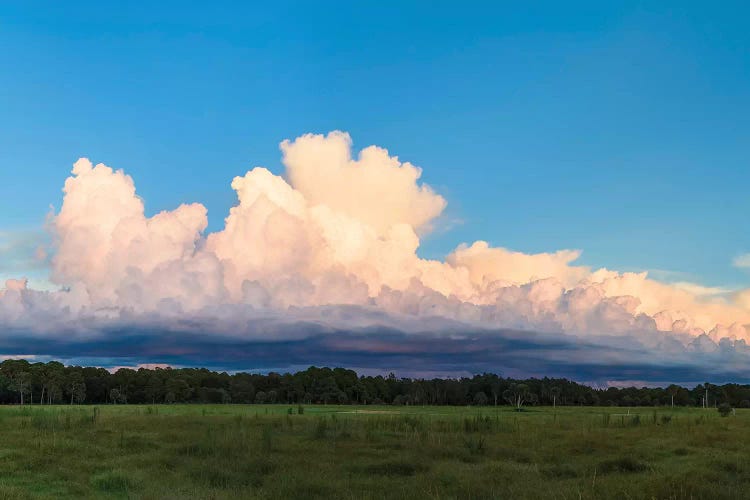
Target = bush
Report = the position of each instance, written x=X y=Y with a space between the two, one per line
x=724 y=409
x=476 y=446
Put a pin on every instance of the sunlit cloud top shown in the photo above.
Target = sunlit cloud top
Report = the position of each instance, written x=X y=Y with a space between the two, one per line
x=334 y=243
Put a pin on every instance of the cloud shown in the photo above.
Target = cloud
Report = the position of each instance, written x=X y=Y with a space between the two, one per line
x=113 y=256
x=23 y=251
x=332 y=246
x=742 y=261
x=488 y=266
x=701 y=291
x=282 y=343
x=376 y=188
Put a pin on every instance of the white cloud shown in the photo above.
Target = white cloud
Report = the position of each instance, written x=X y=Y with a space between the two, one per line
x=337 y=236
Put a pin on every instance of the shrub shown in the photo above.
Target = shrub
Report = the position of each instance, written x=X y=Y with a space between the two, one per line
x=724 y=409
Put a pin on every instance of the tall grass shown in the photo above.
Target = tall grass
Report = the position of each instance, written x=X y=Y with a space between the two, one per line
x=227 y=451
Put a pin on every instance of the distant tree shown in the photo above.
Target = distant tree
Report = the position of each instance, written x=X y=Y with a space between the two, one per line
x=260 y=397
x=154 y=388
x=75 y=386
x=480 y=398
x=706 y=394
x=532 y=398
x=555 y=393
x=78 y=392
x=20 y=382
x=342 y=398
x=180 y=389
x=517 y=394
x=241 y=388
x=271 y=396
x=325 y=389
x=117 y=397
x=52 y=382
x=36 y=371
x=360 y=392
x=495 y=388
x=54 y=379
x=401 y=399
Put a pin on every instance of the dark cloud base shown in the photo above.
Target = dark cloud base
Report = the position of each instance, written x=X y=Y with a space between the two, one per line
x=511 y=353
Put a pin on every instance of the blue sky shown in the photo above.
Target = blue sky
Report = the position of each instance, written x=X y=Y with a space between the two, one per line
x=618 y=128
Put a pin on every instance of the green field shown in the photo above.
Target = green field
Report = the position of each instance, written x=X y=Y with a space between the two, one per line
x=256 y=451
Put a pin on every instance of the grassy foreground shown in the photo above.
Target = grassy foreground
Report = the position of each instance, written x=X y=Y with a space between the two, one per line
x=233 y=451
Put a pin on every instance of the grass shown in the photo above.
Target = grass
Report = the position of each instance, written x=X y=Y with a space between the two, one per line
x=266 y=451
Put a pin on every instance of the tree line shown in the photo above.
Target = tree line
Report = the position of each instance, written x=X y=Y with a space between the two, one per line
x=24 y=382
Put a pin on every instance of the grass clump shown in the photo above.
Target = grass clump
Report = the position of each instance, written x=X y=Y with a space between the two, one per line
x=395 y=468
x=559 y=471
x=114 y=481
x=622 y=465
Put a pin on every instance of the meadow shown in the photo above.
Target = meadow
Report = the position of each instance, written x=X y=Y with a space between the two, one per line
x=273 y=451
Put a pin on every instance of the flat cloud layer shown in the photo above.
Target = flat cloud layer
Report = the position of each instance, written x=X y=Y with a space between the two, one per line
x=326 y=256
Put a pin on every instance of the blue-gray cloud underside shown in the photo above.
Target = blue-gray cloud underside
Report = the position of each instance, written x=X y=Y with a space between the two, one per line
x=452 y=352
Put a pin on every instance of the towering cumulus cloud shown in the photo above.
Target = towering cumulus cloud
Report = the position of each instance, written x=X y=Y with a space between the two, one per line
x=333 y=243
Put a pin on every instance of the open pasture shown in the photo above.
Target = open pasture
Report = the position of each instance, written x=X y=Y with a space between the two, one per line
x=273 y=451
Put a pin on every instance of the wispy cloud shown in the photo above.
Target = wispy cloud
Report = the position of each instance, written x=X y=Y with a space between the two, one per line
x=23 y=250
x=742 y=261
x=702 y=291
